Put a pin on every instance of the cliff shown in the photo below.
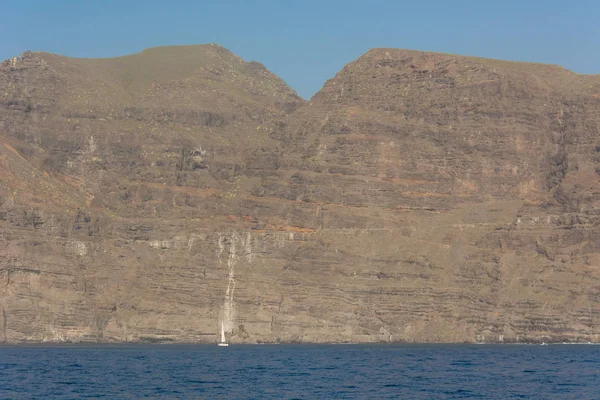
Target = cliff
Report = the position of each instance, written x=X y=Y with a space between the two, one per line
x=417 y=197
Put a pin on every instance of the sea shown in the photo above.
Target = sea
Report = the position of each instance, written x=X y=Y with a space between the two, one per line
x=300 y=372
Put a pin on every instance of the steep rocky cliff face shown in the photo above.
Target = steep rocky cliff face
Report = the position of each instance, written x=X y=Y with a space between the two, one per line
x=417 y=197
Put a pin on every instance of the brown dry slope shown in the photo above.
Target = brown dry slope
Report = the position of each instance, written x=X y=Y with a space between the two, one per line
x=109 y=168
x=417 y=197
x=469 y=191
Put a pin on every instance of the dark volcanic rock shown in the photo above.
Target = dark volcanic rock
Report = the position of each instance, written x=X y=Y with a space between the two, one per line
x=417 y=197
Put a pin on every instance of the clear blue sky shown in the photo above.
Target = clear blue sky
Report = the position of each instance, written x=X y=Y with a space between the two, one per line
x=306 y=42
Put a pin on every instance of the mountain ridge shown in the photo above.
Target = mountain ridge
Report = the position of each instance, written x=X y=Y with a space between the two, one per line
x=369 y=53
x=416 y=197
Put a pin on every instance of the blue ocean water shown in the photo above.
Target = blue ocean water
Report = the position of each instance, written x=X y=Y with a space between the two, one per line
x=301 y=371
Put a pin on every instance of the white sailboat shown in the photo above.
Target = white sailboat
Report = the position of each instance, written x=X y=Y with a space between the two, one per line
x=222 y=342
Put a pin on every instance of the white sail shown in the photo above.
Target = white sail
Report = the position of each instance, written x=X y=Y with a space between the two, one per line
x=222 y=342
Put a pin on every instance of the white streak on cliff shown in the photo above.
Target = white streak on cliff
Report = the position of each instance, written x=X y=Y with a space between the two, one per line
x=237 y=244
x=232 y=260
x=248 y=247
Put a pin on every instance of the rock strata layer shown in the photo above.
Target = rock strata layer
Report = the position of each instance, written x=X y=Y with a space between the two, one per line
x=418 y=197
